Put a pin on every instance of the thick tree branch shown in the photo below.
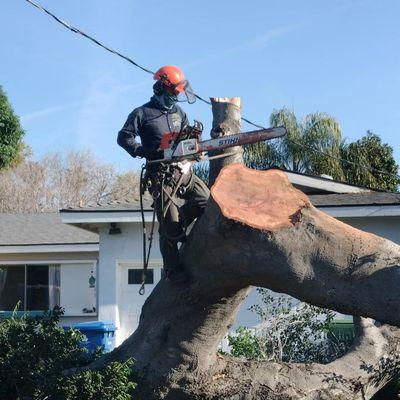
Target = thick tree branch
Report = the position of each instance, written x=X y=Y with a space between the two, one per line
x=291 y=247
x=258 y=230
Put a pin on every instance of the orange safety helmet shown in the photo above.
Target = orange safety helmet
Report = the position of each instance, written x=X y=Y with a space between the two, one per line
x=173 y=80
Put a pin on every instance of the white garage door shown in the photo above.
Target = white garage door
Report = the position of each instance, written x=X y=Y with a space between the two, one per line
x=130 y=302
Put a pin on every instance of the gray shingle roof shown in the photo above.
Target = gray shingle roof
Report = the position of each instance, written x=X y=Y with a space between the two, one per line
x=42 y=228
x=319 y=200
x=355 y=199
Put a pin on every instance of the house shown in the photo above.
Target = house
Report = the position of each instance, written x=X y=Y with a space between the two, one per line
x=113 y=255
x=44 y=263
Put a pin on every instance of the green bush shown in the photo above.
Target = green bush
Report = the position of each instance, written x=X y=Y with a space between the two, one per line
x=34 y=352
x=287 y=332
x=244 y=343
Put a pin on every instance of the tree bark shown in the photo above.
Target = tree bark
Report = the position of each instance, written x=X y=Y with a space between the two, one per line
x=226 y=121
x=258 y=230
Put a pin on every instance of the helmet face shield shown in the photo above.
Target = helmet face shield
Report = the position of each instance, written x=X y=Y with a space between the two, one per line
x=189 y=93
x=183 y=91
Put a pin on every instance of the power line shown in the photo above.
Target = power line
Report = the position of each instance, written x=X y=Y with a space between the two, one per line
x=78 y=31
x=117 y=53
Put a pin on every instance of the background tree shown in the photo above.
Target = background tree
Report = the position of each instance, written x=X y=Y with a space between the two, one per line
x=306 y=143
x=11 y=133
x=58 y=181
x=370 y=151
x=299 y=151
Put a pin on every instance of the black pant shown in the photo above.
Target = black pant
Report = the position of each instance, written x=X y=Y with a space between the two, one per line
x=188 y=204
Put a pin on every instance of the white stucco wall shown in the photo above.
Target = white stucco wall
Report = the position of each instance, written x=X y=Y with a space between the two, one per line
x=115 y=249
x=387 y=227
x=75 y=293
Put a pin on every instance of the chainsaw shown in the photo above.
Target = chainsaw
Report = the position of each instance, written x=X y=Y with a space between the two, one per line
x=187 y=145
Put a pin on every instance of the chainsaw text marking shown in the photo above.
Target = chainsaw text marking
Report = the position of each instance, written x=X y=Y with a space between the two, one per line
x=228 y=141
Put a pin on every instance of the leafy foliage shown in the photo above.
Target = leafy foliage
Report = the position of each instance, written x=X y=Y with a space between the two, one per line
x=244 y=343
x=298 y=152
x=370 y=151
x=287 y=332
x=34 y=352
x=11 y=133
x=306 y=143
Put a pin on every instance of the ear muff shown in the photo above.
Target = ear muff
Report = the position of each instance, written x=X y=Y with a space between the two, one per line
x=158 y=88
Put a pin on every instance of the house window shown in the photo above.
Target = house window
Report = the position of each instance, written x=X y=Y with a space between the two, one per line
x=31 y=287
x=135 y=276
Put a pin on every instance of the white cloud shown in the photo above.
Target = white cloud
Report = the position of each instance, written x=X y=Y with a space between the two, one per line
x=45 y=112
x=98 y=110
x=256 y=42
x=272 y=34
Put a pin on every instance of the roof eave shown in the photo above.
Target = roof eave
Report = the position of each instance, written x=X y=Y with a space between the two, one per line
x=107 y=217
x=49 y=248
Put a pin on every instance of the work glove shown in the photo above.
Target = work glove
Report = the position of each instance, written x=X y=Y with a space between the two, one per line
x=142 y=152
x=149 y=153
x=157 y=155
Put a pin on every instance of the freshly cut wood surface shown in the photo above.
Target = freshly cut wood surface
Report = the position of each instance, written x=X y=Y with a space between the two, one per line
x=264 y=200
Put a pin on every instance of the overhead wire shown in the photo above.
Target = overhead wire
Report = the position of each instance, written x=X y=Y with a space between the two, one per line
x=78 y=31
x=149 y=71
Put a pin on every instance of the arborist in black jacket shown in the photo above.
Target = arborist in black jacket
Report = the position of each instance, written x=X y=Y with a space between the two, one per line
x=150 y=122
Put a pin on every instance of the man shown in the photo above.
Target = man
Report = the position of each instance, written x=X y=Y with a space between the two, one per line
x=150 y=122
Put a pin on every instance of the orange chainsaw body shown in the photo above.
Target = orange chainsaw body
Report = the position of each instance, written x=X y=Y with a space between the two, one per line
x=168 y=139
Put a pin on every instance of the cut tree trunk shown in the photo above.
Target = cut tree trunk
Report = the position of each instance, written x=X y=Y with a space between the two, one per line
x=258 y=230
x=226 y=121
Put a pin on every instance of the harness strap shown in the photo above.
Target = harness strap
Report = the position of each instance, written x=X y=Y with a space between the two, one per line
x=146 y=254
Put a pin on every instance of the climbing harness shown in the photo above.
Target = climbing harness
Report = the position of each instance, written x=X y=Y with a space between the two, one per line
x=164 y=178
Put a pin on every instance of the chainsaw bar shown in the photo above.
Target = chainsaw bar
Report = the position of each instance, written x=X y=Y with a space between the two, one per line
x=240 y=139
x=192 y=149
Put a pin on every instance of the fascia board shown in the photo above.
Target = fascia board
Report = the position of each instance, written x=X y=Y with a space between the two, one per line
x=323 y=184
x=50 y=248
x=362 y=211
x=99 y=217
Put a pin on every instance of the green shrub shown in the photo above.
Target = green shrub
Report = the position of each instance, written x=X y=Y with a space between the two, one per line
x=34 y=352
x=244 y=343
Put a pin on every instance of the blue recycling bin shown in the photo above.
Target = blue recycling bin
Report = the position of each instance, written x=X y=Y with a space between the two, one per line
x=98 y=333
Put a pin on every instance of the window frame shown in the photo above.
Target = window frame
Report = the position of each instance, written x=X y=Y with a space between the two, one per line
x=26 y=265
x=93 y=262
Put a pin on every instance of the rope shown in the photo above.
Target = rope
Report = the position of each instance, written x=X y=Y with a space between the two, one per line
x=146 y=254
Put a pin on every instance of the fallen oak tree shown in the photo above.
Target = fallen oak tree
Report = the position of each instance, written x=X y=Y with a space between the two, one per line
x=258 y=230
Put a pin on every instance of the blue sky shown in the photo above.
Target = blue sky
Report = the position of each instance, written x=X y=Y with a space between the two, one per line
x=341 y=57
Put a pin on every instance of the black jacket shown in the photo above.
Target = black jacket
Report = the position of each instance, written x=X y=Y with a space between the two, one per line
x=150 y=122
